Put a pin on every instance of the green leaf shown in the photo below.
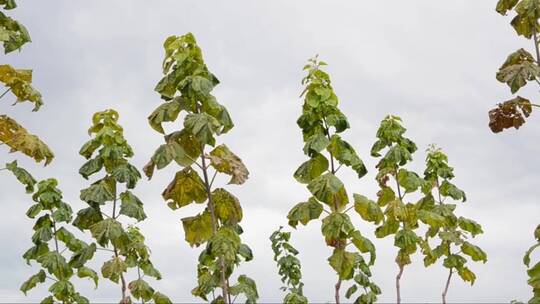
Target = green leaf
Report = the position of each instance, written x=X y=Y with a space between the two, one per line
x=113 y=268
x=185 y=188
x=148 y=268
x=330 y=190
x=474 y=252
x=108 y=230
x=351 y=291
x=131 y=206
x=127 y=174
x=203 y=127
x=389 y=227
x=160 y=298
x=343 y=263
x=305 y=212
x=467 y=275
x=448 y=189
x=315 y=144
x=226 y=206
x=87 y=217
x=141 y=290
x=33 y=281
x=225 y=243
x=198 y=229
x=519 y=68
x=85 y=272
x=503 y=6
x=406 y=240
x=469 y=225
x=55 y=264
x=62 y=290
x=368 y=209
x=72 y=243
x=165 y=112
x=247 y=287
x=346 y=155
x=91 y=166
x=409 y=180
x=527 y=257
x=35 y=252
x=99 y=192
x=431 y=218
x=295 y=298
x=311 y=169
x=364 y=245
x=223 y=160
x=212 y=107
x=336 y=228
x=22 y=176
x=79 y=258
x=454 y=261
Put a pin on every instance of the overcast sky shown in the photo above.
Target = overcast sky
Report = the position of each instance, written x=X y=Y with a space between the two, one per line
x=431 y=62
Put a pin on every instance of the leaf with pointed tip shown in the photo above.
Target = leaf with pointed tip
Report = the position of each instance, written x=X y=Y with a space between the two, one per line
x=85 y=272
x=247 y=287
x=127 y=174
x=330 y=190
x=223 y=160
x=131 y=206
x=33 y=281
x=91 y=166
x=22 y=176
x=346 y=155
x=368 y=209
x=79 y=258
x=474 y=252
x=518 y=68
x=226 y=206
x=15 y=35
x=469 y=225
x=166 y=112
x=364 y=245
x=203 y=127
x=113 y=268
x=466 y=275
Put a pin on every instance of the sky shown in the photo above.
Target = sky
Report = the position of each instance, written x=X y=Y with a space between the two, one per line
x=431 y=63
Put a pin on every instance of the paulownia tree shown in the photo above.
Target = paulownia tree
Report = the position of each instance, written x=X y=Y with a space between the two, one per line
x=51 y=233
x=399 y=218
x=520 y=68
x=109 y=152
x=321 y=122
x=186 y=87
x=289 y=267
x=19 y=82
x=452 y=231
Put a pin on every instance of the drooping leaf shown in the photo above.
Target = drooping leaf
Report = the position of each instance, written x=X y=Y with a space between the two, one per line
x=474 y=252
x=247 y=287
x=223 y=160
x=99 y=192
x=198 y=229
x=113 y=268
x=343 y=263
x=186 y=187
x=509 y=114
x=315 y=144
x=166 y=112
x=364 y=245
x=19 y=140
x=346 y=155
x=469 y=225
x=305 y=212
x=140 y=289
x=85 y=272
x=329 y=189
x=22 y=176
x=33 y=281
x=311 y=169
x=107 y=231
x=226 y=206
x=519 y=68
x=13 y=34
x=131 y=206
x=336 y=228
x=368 y=209
x=203 y=127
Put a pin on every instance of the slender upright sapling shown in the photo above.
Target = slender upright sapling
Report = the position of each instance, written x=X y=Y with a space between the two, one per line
x=109 y=152
x=321 y=122
x=186 y=87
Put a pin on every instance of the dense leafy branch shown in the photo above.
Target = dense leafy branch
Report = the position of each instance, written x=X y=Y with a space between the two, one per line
x=321 y=122
x=108 y=151
x=186 y=87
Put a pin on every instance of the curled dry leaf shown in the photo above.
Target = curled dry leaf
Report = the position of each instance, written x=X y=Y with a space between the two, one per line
x=19 y=140
x=20 y=84
x=223 y=160
x=509 y=114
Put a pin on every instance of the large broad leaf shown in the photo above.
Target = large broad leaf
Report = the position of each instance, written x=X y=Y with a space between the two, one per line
x=99 y=192
x=20 y=84
x=186 y=187
x=364 y=245
x=346 y=155
x=503 y=6
x=247 y=287
x=368 y=209
x=311 y=169
x=19 y=140
x=469 y=225
x=203 y=127
x=131 y=206
x=226 y=206
x=223 y=160
x=329 y=189
x=141 y=290
x=226 y=244
x=315 y=144
x=113 y=269
x=55 y=264
x=12 y=33
x=79 y=258
x=127 y=174
x=519 y=68
x=467 y=275
x=336 y=228
x=33 y=281
x=22 y=176
x=167 y=111
x=212 y=107
x=108 y=230
x=305 y=212
x=85 y=272
x=198 y=229
x=343 y=263
x=475 y=252
x=528 y=13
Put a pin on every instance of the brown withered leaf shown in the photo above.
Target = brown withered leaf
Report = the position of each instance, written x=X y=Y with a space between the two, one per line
x=509 y=114
x=19 y=140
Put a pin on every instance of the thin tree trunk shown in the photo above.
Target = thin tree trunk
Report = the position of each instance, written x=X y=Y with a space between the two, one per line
x=338 y=286
x=223 y=279
x=446 y=287
x=398 y=287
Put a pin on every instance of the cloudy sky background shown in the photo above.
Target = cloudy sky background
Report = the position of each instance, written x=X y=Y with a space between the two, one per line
x=432 y=63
